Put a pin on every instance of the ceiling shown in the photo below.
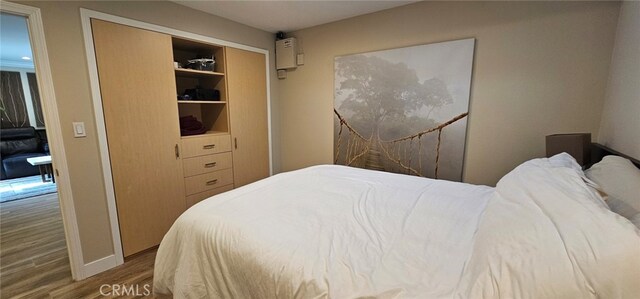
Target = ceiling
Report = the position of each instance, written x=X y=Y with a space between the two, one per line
x=14 y=41
x=287 y=16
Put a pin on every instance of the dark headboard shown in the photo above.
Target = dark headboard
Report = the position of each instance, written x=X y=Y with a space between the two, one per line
x=599 y=151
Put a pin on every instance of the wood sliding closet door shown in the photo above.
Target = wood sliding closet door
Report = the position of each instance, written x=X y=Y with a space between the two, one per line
x=247 y=88
x=138 y=91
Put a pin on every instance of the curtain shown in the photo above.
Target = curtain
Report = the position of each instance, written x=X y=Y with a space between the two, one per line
x=35 y=99
x=13 y=110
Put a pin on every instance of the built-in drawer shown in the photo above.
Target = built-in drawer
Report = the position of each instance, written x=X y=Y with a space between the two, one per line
x=196 y=198
x=203 y=182
x=205 y=145
x=204 y=164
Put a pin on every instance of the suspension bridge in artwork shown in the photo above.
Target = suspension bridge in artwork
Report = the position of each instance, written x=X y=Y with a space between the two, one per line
x=368 y=152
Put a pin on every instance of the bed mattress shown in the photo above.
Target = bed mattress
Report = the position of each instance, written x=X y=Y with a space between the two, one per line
x=340 y=232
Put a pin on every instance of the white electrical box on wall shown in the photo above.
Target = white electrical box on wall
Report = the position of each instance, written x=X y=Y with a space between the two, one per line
x=286 y=53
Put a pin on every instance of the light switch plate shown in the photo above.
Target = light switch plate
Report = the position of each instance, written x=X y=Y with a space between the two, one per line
x=300 y=59
x=78 y=130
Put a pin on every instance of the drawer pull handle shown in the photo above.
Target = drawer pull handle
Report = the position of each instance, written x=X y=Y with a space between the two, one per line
x=209 y=165
x=212 y=182
x=209 y=146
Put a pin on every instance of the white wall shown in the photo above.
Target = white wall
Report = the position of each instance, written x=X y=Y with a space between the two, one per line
x=620 y=126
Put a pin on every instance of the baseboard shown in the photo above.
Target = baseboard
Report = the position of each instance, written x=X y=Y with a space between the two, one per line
x=98 y=266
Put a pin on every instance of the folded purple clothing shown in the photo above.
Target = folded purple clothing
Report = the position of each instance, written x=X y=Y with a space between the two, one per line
x=188 y=118
x=184 y=132
x=190 y=125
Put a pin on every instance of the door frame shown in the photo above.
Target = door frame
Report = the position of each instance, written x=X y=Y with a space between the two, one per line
x=86 y=15
x=54 y=131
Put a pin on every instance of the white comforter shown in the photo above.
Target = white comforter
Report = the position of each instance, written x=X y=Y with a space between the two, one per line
x=339 y=232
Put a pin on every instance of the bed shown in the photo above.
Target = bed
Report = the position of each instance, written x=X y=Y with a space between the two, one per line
x=338 y=232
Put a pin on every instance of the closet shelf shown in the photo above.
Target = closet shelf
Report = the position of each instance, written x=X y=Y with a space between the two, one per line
x=202 y=102
x=196 y=73
x=208 y=133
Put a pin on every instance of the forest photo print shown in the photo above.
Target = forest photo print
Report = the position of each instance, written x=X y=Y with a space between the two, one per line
x=404 y=110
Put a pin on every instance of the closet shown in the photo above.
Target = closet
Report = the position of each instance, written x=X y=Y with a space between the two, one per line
x=157 y=172
x=248 y=116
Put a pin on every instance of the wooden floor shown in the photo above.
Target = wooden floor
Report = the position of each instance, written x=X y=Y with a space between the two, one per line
x=34 y=262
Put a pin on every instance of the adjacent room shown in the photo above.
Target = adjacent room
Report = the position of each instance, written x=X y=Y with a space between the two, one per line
x=320 y=149
x=32 y=236
x=26 y=165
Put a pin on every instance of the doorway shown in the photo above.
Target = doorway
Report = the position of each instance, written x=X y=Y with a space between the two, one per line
x=33 y=242
x=25 y=168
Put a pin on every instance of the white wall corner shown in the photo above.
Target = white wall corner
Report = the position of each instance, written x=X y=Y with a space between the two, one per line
x=619 y=121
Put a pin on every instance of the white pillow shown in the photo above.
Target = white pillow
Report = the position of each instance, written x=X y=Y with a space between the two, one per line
x=567 y=161
x=620 y=179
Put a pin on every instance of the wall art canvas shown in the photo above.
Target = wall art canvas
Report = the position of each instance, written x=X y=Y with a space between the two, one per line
x=404 y=110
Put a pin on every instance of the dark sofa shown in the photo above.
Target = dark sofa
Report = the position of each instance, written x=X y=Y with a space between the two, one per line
x=16 y=145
